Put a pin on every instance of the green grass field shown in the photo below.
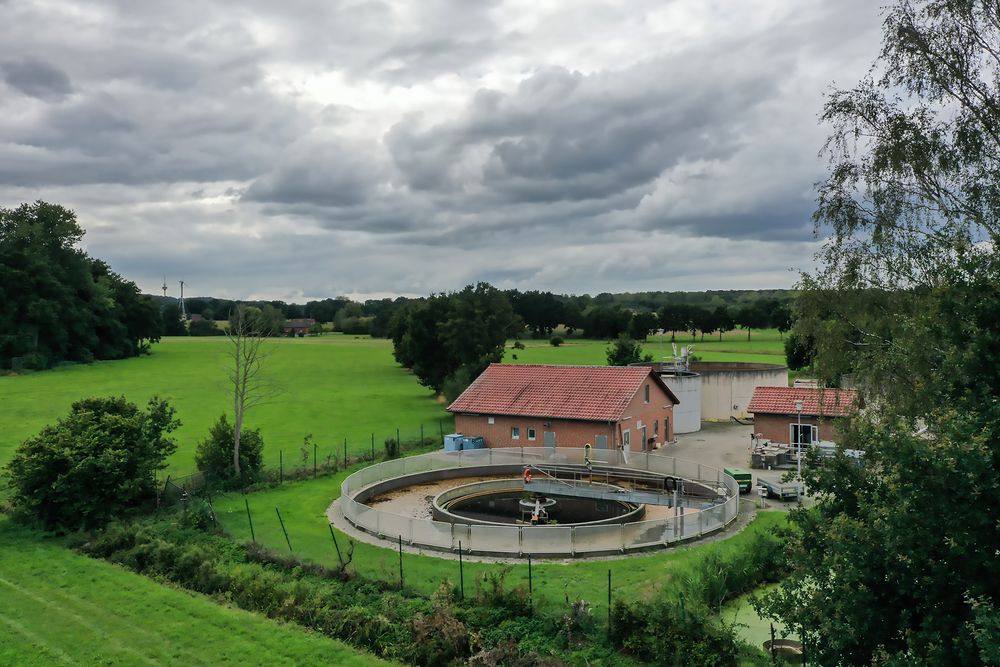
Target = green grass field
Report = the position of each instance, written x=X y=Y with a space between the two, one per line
x=303 y=509
x=332 y=386
x=766 y=346
x=63 y=608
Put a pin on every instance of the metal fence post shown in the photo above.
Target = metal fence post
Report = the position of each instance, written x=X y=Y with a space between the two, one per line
x=335 y=545
x=288 y=541
x=609 y=601
x=400 y=562
x=461 y=571
x=345 y=453
x=253 y=538
x=531 y=595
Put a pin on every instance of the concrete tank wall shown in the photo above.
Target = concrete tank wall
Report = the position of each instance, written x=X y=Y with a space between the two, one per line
x=687 y=389
x=726 y=387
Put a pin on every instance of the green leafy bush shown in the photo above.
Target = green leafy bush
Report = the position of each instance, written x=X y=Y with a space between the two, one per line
x=556 y=341
x=665 y=632
x=94 y=465
x=214 y=455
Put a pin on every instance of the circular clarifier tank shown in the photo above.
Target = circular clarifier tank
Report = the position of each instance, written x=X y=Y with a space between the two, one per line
x=505 y=502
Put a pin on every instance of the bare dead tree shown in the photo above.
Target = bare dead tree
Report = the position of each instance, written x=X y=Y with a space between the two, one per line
x=247 y=332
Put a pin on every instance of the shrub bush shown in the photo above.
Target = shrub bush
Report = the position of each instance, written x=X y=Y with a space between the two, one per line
x=556 y=341
x=94 y=465
x=214 y=455
x=667 y=633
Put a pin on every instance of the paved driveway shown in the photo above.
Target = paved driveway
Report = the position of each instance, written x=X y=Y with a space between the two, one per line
x=721 y=445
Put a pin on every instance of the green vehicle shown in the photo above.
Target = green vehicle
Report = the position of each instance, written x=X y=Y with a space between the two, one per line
x=743 y=477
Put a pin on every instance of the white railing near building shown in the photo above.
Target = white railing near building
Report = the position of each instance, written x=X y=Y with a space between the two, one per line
x=546 y=539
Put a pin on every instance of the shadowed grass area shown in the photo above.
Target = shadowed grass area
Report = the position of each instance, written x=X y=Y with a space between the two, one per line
x=63 y=608
x=303 y=510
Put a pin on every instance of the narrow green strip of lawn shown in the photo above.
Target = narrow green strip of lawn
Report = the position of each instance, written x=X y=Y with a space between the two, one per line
x=59 y=607
x=303 y=509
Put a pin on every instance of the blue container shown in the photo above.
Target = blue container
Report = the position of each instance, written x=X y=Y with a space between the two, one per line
x=456 y=442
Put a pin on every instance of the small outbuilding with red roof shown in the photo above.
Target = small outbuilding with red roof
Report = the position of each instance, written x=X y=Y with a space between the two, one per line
x=776 y=415
x=527 y=405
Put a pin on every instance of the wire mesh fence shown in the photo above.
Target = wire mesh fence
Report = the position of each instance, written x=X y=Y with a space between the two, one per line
x=312 y=458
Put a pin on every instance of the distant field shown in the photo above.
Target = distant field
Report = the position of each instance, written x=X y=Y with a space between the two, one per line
x=63 y=608
x=333 y=387
x=765 y=345
x=303 y=509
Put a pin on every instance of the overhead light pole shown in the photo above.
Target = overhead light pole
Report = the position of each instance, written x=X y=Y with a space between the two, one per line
x=798 y=448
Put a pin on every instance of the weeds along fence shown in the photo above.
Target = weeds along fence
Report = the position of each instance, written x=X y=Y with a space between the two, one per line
x=310 y=459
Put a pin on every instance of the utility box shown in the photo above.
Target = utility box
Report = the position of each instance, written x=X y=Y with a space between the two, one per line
x=743 y=477
x=456 y=442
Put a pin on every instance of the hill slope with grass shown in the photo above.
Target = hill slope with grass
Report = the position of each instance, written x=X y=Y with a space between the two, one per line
x=63 y=608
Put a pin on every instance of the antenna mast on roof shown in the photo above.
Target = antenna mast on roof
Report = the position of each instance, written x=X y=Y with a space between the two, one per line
x=183 y=313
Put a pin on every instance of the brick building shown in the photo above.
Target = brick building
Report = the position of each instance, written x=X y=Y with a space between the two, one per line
x=775 y=416
x=514 y=405
x=297 y=327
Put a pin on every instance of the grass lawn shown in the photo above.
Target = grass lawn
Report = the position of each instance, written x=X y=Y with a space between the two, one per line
x=333 y=386
x=61 y=607
x=303 y=509
x=765 y=346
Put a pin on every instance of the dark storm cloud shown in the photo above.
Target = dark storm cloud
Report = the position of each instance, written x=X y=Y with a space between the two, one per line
x=539 y=146
x=37 y=78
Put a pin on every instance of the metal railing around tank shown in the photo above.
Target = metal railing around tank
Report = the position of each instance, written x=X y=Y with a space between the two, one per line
x=545 y=539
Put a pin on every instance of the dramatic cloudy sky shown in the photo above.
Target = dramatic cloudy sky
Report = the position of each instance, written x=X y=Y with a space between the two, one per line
x=306 y=149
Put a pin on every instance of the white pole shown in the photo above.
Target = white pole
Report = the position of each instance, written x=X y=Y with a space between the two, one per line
x=798 y=450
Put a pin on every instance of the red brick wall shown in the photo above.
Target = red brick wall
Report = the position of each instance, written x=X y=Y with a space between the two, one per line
x=574 y=433
x=569 y=433
x=775 y=427
x=640 y=413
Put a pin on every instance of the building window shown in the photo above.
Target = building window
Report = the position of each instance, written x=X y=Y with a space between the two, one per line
x=645 y=393
x=515 y=432
x=656 y=427
x=490 y=420
x=803 y=435
x=626 y=438
x=531 y=434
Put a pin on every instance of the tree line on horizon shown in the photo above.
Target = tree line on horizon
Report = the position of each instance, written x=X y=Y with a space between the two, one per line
x=63 y=305
x=540 y=313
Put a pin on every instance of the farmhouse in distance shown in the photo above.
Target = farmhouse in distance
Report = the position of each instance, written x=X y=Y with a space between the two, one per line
x=525 y=405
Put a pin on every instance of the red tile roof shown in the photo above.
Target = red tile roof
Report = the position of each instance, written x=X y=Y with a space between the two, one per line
x=591 y=393
x=815 y=402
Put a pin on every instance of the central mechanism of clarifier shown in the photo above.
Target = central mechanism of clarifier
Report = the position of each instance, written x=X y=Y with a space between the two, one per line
x=536 y=508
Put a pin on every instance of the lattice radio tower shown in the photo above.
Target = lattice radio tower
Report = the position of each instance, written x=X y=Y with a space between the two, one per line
x=183 y=312
x=164 y=288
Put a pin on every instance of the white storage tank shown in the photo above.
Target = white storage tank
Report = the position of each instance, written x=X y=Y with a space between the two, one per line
x=687 y=388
